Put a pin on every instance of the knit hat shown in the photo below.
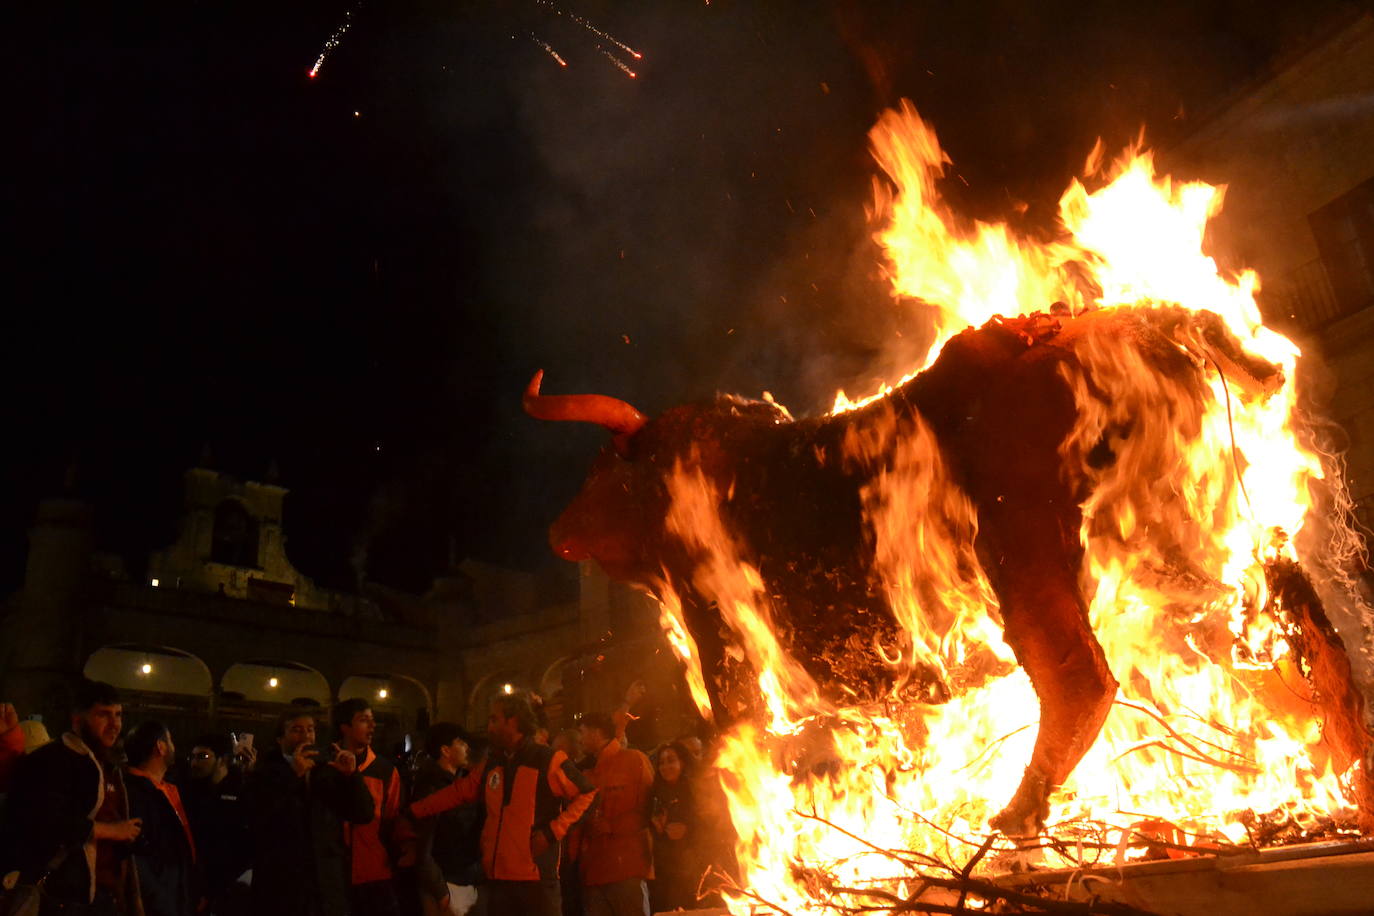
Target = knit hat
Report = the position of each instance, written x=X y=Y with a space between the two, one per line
x=35 y=735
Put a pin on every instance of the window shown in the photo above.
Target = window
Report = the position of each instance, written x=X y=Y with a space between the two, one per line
x=1344 y=230
x=235 y=538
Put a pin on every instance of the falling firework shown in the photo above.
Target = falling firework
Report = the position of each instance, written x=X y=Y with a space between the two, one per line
x=599 y=33
x=336 y=37
x=619 y=63
x=549 y=49
x=332 y=41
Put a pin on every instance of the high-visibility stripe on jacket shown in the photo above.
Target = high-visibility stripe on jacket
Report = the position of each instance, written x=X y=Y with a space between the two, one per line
x=367 y=842
x=534 y=788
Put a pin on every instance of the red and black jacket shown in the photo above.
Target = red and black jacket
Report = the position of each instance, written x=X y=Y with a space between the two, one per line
x=368 y=843
x=533 y=788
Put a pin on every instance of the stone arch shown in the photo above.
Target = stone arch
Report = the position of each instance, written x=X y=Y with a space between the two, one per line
x=551 y=681
x=561 y=698
x=420 y=687
x=151 y=669
x=276 y=681
x=385 y=689
x=401 y=705
x=487 y=687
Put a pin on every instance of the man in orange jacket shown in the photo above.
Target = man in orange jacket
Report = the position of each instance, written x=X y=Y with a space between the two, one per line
x=372 y=868
x=617 y=858
x=533 y=795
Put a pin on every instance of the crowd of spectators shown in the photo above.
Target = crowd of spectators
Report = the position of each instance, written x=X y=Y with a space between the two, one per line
x=515 y=822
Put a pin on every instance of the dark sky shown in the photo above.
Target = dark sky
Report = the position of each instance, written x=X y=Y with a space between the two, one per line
x=209 y=248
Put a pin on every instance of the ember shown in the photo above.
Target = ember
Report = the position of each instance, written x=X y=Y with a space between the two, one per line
x=1122 y=489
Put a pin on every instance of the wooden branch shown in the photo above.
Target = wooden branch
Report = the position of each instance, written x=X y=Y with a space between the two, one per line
x=970 y=866
x=1201 y=755
x=993 y=892
x=909 y=858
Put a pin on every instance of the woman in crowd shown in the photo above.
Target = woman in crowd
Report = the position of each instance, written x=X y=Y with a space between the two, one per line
x=678 y=862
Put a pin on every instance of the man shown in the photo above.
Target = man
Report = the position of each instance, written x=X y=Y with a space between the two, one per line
x=449 y=847
x=68 y=816
x=616 y=858
x=372 y=892
x=165 y=852
x=297 y=808
x=219 y=822
x=526 y=786
x=11 y=744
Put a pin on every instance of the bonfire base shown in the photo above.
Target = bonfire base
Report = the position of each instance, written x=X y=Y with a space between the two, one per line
x=1316 y=879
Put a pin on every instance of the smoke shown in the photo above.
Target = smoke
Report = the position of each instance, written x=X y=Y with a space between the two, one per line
x=703 y=227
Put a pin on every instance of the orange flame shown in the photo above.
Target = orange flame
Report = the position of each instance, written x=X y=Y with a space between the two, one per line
x=1209 y=483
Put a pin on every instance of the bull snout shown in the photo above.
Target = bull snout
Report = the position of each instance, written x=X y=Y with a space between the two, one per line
x=567 y=547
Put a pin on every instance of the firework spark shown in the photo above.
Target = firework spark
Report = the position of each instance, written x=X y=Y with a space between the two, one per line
x=336 y=37
x=603 y=35
x=590 y=27
x=549 y=49
x=332 y=41
x=619 y=63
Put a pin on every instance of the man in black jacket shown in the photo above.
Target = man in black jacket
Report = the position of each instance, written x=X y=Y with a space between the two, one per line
x=219 y=823
x=165 y=852
x=68 y=797
x=450 y=845
x=297 y=807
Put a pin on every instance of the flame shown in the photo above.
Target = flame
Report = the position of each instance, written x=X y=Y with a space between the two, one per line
x=1209 y=484
x=675 y=629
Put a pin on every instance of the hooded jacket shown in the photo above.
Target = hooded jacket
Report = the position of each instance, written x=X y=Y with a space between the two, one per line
x=53 y=801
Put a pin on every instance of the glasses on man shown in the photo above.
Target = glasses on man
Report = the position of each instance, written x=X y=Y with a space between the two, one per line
x=202 y=755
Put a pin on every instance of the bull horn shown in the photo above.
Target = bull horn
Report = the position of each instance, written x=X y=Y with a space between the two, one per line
x=616 y=415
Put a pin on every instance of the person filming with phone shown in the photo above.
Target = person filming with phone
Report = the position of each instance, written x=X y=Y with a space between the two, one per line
x=298 y=798
x=214 y=803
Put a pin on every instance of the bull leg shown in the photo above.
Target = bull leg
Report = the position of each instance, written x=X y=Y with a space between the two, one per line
x=1035 y=569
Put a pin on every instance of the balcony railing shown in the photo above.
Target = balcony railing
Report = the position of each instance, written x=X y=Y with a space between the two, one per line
x=1307 y=298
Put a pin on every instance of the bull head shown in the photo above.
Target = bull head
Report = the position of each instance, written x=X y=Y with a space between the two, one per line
x=610 y=521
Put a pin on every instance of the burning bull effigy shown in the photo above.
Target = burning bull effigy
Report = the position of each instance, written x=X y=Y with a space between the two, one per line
x=1069 y=579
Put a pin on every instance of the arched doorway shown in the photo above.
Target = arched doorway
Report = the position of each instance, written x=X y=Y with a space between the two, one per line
x=400 y=704
x=156 y=682
x=150 y=669
x=485 y=690
x=255 y=693
x=560 y=692
x=276 y=681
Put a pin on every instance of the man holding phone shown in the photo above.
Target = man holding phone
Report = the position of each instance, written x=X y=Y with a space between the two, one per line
x=213 y=797
x=299 y=798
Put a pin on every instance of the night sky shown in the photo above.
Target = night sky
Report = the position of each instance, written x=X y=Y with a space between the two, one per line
x=208 y=249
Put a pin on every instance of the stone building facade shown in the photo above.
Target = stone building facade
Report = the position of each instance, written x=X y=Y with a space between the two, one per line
x=1296 y=151
x=231 y=542
x=225 y=633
